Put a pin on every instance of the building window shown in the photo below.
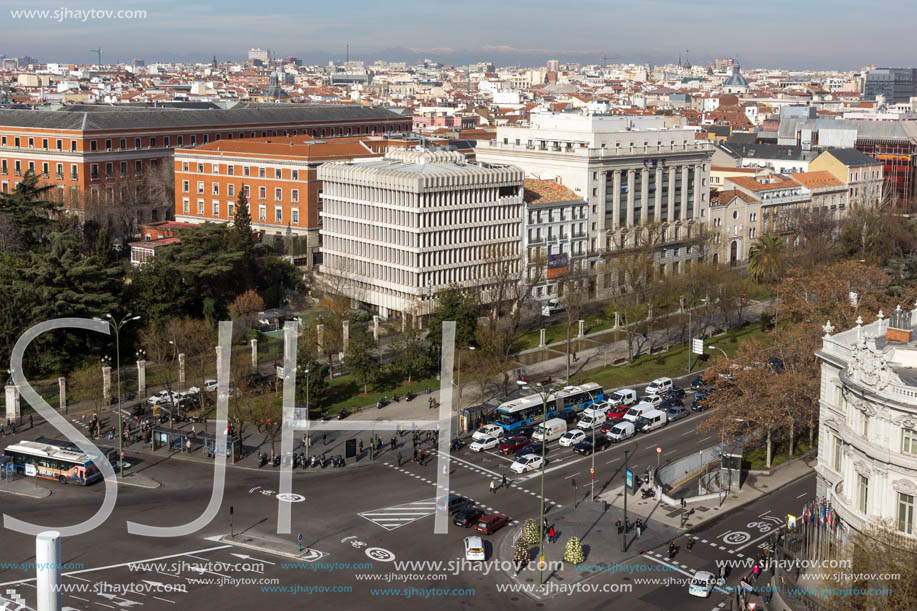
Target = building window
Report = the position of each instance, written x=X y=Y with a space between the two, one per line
x=216 y=188
x=136 y=143
x=184 y=166
x=246 y=171
x=181 y=140
x=262 y=192
x=200 y=187
x=167 y=141
x=200 y=168
x=93 y=170
x=231 y=170
x=262 y=172
x=294 y=195
x=3 y=167
x=231 y=190
x=215 y=208
x=74 y=172
x=16 y=143
x=108 y=145
x=838 y=453
x=278 y=174
x=295 y=174
x=278 y=195
x=109 y=169
x=295 y=215
x=909 y=441
x=32 y=143
x=60 y=171
x=247 y=190
x=185 y=186
x=138 y=166
x=185 y=206
x=278 y=214
x=123 y=168
x=262 y=213
x=906 y=513
x=200 y=207
x=44 y=143
x=230 y=207
x=862 y=493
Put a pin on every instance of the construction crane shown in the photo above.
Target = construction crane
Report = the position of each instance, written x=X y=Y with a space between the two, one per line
x=98 y=53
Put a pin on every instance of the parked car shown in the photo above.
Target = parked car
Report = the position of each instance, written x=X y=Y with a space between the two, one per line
x=625 y=396
x=650 y=421
x=702 y=584
x=514 y=444
x=585 y=447
x=616 y=414
x=637 y=411
x=491 y=523
x=592 y=418
x=654 y=400
x=474 y=548
x=523 y=431
x=621 y=431
x=210 y=385
x=658 y=386
x=466 y=518
x=162 y=397
x=193 y=390
x=550 y=430
x=698 y=382
x=486 y=443
x=568 y=415
x=455 y=503
x=530 y=462
x=571 y=438
x=667 y=403
x=677 y=412
x=488 y=430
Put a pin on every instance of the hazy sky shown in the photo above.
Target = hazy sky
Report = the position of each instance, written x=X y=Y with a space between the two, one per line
x=787 y=33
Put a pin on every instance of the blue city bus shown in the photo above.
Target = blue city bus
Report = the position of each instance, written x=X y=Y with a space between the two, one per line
x=529 y=410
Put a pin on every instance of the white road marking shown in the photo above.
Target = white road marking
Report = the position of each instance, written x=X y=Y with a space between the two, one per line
x=802 y=495
x=574 y=475
x=171 y=602
x=764 y=536
x=670 y=452
x=688 y=433
x=613 y=460
x=766 y=512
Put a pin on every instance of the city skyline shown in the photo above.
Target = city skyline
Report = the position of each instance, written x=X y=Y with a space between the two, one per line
x=656 y=32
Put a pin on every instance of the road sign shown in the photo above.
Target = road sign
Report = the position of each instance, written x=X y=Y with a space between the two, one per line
x=299 y=536
x=698 y=346
x=592 y=472
x=658 y=450
x=629 y=479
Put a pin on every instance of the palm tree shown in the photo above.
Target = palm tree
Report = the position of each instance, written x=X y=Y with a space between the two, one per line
x=766 y=257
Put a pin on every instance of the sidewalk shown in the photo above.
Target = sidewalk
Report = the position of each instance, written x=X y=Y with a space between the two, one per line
x=594 y=524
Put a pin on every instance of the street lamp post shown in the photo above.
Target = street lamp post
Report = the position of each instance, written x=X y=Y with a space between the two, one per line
x=544 y=393
x=459 y=378
x=720 y=349
x=624 y=538
x=308 y=436
x=116 y=325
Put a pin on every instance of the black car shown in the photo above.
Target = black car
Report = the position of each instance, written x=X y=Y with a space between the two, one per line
x=138 y=410
x=674 y=394
x=585 y=447
x=466 y=518
x=567 y=415
x=524 y=431
x=532 y=448
x=697 y=382
x=457 y=503
x=698 y=405
x=667 y=403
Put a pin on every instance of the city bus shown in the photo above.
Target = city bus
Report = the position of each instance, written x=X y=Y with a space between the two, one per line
x=68 y=466
x=529 y=410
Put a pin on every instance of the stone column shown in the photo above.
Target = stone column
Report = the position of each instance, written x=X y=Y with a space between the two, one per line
x=582 y=324
x=644 y=197
x=617 y=320
x=141 y=377
x=657 y=203
x=320 y=333
x=630 y=198
x=62 y=390
x=541 y=343
x=684 y=192
x=671 y=214
x=106 y=384
x=346 y=335
x=404 y=321
x=376 y=328
x=12 y=403
x=254 y=344
x=698 y=177
x=181 y=370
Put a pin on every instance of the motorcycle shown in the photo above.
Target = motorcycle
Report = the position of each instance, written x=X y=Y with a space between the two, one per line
x=343 y=414
x=295 y=460
x=262 y=459
x=456 y=444
x=648 y=493
x=314 y=462
x=396 y=398
x=324 y=461
x=276 y=461
x=410 y=396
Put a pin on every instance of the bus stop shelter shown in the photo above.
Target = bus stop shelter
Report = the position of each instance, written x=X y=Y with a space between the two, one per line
x=232 y=448
x=174 y=439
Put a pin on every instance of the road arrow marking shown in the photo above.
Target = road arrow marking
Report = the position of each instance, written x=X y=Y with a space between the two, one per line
x=247 y=557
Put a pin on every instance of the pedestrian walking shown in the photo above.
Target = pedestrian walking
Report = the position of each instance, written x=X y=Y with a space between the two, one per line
x=620 y=527
x=627 y=525
x=504 y=480
x=551 y=534
x=756 y=570
x=399 y=459
x=545 y=524
x=574 y=357
x=639 y=525
x=325 y=439
x=493 y=486
x=361 y=446
x=30 y=422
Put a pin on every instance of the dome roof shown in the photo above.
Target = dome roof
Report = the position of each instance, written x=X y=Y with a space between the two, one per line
x=736 y=80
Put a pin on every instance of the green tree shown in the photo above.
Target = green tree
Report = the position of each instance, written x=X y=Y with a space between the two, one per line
x=275 y=277
x=766 y=258
x=307 y=359
x=413 y=360
x=459 y=305
x=360 y=356
x=242 y=221
x=63 y=282
x=29 y=210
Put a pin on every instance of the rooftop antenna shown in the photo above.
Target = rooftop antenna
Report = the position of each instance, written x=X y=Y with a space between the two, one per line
x=679 y=59
x=687 y=58
x=98 y=53
x=348 y=53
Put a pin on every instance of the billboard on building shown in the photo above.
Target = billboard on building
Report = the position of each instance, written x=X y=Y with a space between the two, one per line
x=557 y=265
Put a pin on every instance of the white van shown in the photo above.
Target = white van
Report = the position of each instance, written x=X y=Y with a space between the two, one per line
x=621 y=431
x=659 y=386
x=625 y=396
x=637 y=411
x=651 y=420
x=591 y=419
x=550 y=430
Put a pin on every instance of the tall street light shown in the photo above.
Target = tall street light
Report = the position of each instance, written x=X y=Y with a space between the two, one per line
x=308 y=436
x=720 y=349
x=544 y=393
x=458 y=409
x=117 y=325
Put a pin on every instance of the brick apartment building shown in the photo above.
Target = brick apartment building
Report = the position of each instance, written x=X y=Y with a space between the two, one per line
x=280 y=178
x=102 y=155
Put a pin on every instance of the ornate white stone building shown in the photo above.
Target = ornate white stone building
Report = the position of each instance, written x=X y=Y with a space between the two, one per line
x=867 y=452
x=397 y=230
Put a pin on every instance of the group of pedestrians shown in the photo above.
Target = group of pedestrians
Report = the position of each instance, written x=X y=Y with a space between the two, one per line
x=493 y=484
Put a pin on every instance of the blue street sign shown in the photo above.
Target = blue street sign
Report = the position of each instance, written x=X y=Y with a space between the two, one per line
x=300 y=536
x=629 y=479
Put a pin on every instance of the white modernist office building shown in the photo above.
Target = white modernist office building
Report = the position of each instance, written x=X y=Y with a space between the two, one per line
x=867 y=451
x=397 y=230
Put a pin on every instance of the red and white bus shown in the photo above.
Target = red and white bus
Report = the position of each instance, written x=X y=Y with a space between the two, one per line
x=68 y=466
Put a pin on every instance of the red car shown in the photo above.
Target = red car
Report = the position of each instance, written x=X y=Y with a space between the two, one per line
x=514 y=444
x=491 y=523
x=616 y=413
